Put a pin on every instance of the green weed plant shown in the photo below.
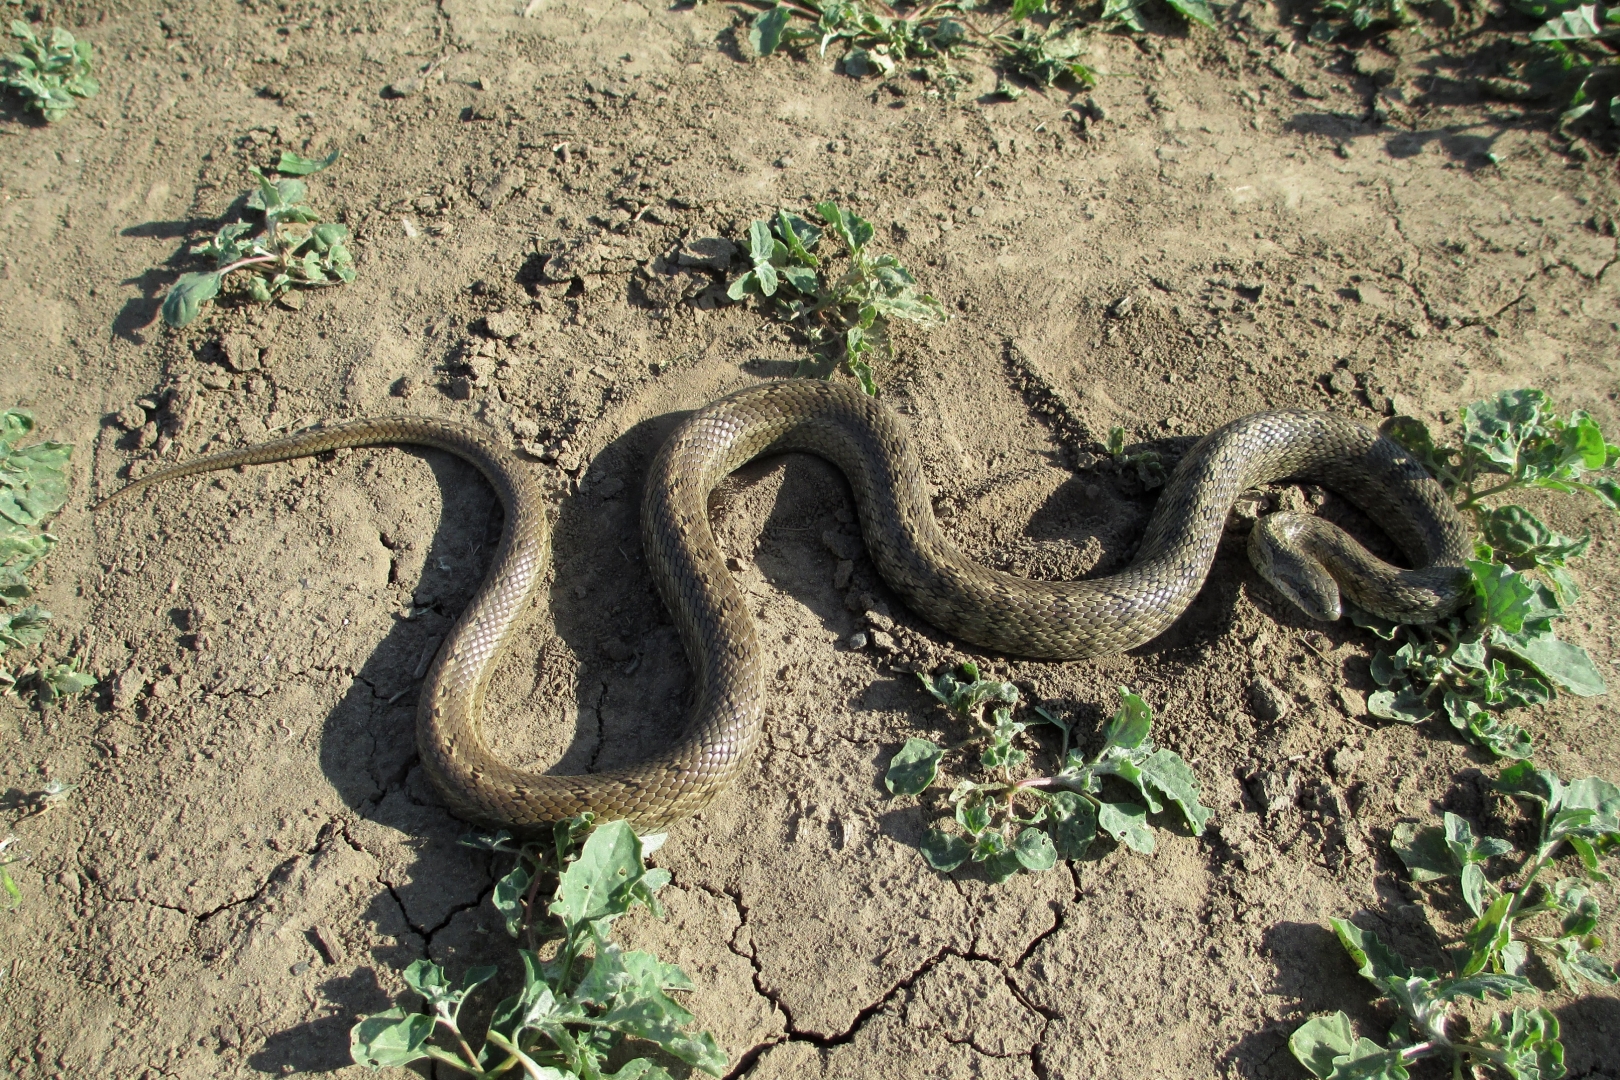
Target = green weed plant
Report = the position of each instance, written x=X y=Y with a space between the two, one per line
x=51 y=73
x=1497 y=953
x=1009 y=822
x=1503 y=652
x=582 y=994
x=33 y=487
x=1027 y=37
x=280 y=244
x=845 y=304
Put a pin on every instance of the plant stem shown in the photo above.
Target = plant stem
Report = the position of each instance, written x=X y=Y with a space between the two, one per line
x=238 y=264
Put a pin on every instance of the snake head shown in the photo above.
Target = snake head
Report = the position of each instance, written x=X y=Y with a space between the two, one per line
x=1281 y=547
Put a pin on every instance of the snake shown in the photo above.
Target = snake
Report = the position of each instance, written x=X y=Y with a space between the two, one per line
x=1314 y=563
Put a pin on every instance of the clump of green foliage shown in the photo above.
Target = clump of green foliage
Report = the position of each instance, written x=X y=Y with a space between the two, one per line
x=1574 y=47
x=845 y=314
x=280 y=244
x=1027 y=823
x=582 y=995
x=50 y=73
x=1495 y=953
x=33 y=487
x=1502 y=652
x=8 y=884
x=1147 y=465
x=881 y=37
x=1339 y=16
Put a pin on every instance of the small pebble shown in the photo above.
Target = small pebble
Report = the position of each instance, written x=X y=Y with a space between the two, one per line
x=857 y=640
x=842 y=573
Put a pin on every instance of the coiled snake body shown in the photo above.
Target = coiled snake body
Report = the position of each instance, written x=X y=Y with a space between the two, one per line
x=1303 y=555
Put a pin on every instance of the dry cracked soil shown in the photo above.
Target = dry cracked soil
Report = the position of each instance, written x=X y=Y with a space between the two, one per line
x=252 y=854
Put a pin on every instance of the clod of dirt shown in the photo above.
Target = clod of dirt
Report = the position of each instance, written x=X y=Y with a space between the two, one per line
x=240 y=353
x=130 y=418
x=504 y=324
x=1274 y=790
x=665 y=287
x=710 y=253
x=492 y=190
x=1266 y=701
x=589 y=256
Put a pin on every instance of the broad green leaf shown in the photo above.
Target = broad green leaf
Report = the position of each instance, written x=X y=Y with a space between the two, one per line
x=1034 y=850
x=944 y=851
x=743 y=286
x=292 y=164
x=799 y=236
x=1517 y=532
x=1377 y=962
x=57 y=681
x=1578 y=25
x=639 y=1069
x=855 y=231
x=659 y=1020
x=1195 y=11
x=761 y=245
x=1528 y=1045
x=1529 y=782
x=765 y=31
x=1592 y=793
x=1565 y=664
x=913 y=768
x=1131 y=725
x=509 y=896
x=1127 y=12
x=595 y=885
x=1023 y=9
x=1166 y=771
x=1405 y=705
x=1496 y=427
x=801 y=278
x=1073 y=823
x=973 y=814
x=767 y=277
x=1481 y=985
x=1576 y=963
x=535 y=1006
x=1425 y=852
x=1504 y=596
x=390 y=1039
x=1489 y=935
x=23 y=627
x=1321 y=1040
x=1126 y=822
x=187 y=296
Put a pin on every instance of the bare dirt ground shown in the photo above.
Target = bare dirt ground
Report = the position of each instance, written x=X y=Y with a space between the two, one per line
x=252 y=854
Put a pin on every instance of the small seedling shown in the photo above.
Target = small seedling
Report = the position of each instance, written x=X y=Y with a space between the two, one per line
x=1064 y=810
x=1044 y=57
x=33 y=487
x=8 y=884
x=1494 y=954
x=282 y=245
x=1502 y=653
x=845 y=318
x=1149 y=469
x=573 y=1009
x=49 y=73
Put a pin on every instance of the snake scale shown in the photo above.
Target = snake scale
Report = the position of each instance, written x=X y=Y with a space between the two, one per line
x=1307 y=558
